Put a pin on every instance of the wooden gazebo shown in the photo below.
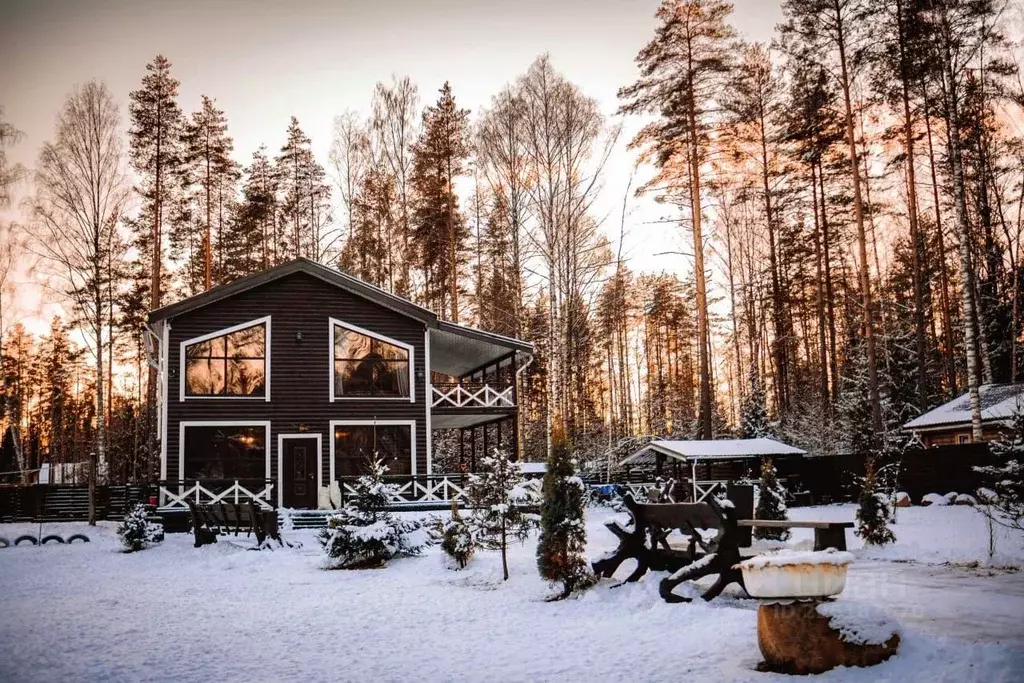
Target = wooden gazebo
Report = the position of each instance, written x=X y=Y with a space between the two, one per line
x=702 y=451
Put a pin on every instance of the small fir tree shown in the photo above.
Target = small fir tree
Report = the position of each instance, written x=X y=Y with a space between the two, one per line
x=754 y=422
x=137 y=532
x=364 y=534
x=873 y=513
x=771 y=502
x=1003 y=493
x=563 y=533
x=500 y=505
x=457 y=539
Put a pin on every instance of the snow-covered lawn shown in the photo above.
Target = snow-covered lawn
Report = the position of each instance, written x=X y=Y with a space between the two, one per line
x=88 y=612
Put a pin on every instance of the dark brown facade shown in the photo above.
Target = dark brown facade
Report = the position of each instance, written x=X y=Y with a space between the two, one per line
x=299 y=302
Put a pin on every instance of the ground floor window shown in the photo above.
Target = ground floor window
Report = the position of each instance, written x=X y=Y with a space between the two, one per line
x=225 y=452
x=354 y=445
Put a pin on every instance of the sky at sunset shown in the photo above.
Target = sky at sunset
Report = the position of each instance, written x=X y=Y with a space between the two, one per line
x=266 y=61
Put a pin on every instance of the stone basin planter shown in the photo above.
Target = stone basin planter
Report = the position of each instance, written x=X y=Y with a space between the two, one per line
x=793 y=574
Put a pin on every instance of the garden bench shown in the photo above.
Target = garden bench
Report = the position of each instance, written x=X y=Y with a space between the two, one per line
x=210 y=521
x=647 y=543
x=826 y=534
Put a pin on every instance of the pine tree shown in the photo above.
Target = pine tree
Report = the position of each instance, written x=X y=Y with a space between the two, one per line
x=255 y=219
x=563 y=532
x=207 y=151
x=754 y=422
x=873 y=513
x=500 y=504
x=365 y=534
x=306 y=196
x=439 y=228
x=457 y=540
x=681 y=69
x=771 y=502
x=136 y=531
x=1004 y=481
x=367 y=253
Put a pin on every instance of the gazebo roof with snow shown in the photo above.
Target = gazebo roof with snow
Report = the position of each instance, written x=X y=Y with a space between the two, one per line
x=721 y=449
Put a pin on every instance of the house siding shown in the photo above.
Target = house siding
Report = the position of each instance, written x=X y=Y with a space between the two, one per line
x=300 y=372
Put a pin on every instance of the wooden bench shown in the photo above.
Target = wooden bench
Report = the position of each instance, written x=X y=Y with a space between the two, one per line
x=826 y=534
x=219 y=519
x=647 y=543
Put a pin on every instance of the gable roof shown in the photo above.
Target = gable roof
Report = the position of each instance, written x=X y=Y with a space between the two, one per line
x=998 y=403
x=299 y=265
x=717 y=449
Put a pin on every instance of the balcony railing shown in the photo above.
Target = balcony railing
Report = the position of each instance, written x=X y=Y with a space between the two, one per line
x=176 y=495
x=473 y=395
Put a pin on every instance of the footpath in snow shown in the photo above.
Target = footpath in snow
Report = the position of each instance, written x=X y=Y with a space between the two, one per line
x=90 y=613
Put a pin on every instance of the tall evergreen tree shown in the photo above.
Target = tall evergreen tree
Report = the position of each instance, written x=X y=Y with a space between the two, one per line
x=207 y=151
x=681 y=71
x=439 y=228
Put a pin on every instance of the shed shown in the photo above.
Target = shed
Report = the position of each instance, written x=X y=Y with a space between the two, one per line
x=693 y=452
x=950 y=423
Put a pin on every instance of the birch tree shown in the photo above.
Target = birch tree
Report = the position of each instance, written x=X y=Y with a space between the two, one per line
x=82 y=190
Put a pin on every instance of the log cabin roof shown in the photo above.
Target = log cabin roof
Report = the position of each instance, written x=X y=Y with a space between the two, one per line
x=998 y=404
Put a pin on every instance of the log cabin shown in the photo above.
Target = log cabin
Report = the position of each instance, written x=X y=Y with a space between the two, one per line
x=278 y=386
x=950 y=423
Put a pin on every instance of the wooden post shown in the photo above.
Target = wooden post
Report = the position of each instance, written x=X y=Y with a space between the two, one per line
x=694 y=481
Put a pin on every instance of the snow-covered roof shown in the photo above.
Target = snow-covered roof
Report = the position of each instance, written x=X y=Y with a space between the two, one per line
x=998 y=402
x=720 y=449
x=533 y=467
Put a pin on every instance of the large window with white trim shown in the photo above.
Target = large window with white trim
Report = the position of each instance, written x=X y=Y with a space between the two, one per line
x=368 y=365
x=355 y=445
x=224 y=452
x=230 y=364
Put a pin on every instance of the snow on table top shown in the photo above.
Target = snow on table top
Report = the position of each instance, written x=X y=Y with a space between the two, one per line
x=789 y=558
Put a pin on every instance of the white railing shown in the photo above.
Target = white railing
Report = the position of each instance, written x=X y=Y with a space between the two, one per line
x=472 y=396
x=428 y=489
x=177 y=495
x=702 y=489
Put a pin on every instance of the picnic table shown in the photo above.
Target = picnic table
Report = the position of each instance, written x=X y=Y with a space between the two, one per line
x=646 y=542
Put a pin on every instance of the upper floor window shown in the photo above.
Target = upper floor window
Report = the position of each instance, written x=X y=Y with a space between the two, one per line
x=229 y=363
x=369 y=365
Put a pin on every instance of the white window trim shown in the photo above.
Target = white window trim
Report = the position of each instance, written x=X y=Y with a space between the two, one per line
x=220 y=333
x=380 y=337
x=428 y=391
x=280 y=462
x=220 y=423
x=369 y=423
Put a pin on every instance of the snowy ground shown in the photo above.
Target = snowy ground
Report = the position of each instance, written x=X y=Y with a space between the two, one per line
x=88 y=612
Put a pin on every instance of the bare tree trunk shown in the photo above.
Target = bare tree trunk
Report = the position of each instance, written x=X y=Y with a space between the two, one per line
x=858 y=211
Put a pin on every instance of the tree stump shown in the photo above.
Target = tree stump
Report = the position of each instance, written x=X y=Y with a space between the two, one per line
x=795 y=638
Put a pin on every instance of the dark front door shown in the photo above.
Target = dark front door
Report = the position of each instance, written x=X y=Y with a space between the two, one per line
x=299 y=473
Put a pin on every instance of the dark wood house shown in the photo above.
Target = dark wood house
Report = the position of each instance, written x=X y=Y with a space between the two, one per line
x=278 y=386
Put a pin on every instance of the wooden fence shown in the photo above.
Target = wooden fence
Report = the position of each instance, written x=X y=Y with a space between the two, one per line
x=68 y=502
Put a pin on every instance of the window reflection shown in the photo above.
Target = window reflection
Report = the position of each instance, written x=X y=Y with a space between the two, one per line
x=225 y=452
x=233 y=364
x=354 y=445
x=365 y=366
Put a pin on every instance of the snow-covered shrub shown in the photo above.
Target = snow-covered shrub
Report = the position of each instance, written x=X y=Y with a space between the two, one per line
x=501 y=504
x=136 y=531
x=902 y=499
x=457 y=539
x=933 y=499
x=873 y=513
x=965 y=499
x=771 y=503
x=754 y=422
x=364 y=534
x=563 y=533
x=950 y=497
x=1004 y=481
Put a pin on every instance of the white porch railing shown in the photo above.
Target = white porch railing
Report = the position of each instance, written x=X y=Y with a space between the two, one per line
x=427 y=489
x=177 y=495
x=702 y=489
x=472 y=396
